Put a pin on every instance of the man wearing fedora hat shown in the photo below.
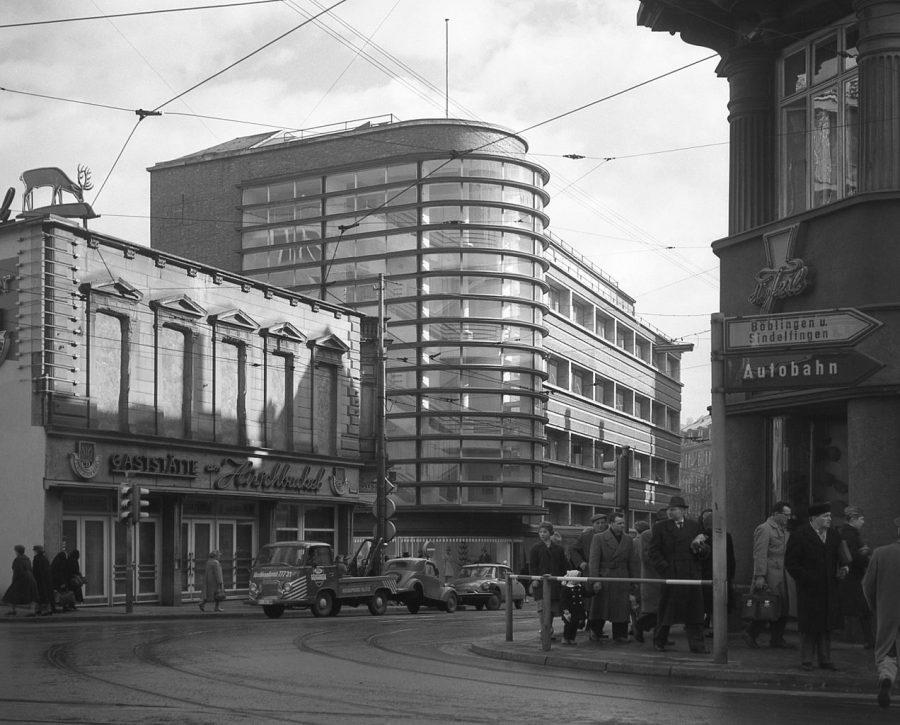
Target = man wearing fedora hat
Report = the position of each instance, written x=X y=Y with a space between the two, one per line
x=881 y=586
x=812 y=557
x=677 y=546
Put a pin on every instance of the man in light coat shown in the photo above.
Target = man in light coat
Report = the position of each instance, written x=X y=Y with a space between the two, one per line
x=769 y=544
x=612 y=555
x=579 y=553
x=881 y=586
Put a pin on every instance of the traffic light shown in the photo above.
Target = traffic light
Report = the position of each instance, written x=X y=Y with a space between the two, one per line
x=623 y=474
x=384 y=508
x=140 y=502
x=126 y=503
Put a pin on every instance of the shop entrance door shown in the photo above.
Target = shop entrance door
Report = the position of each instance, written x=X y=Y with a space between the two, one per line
x=196 y=543
x=235 y=545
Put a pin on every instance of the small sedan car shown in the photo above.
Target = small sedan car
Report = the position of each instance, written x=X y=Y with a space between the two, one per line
x=484 y=585
x=419 y=584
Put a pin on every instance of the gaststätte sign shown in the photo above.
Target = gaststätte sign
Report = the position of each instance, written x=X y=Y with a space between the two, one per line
x=752 y=373
x=813 y=328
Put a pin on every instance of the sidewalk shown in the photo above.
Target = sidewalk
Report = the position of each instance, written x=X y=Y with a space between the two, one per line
x=745 y=666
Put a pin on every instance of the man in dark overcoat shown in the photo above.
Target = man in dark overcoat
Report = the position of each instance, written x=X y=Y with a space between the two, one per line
x=853 y=602
x=547 y=557
x=40 y=565
x=649 y=592
x=613 y=555
x=812 y=557
x=677 y=547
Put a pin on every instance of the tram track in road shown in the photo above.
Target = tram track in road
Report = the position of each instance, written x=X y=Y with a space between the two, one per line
x=64 y=657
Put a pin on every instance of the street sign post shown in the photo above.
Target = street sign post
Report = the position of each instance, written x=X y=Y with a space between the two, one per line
x=797 y=370
x=814 y=328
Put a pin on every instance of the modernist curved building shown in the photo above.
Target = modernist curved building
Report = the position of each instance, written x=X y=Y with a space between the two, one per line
x=452 y=213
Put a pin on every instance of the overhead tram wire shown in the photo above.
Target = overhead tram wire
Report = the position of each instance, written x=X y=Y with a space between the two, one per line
x=249 y=55
x=136 y=13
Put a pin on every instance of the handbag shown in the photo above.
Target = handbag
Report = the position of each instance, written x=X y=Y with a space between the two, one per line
x=763 y=606
x=77 y=581
x=220 y=596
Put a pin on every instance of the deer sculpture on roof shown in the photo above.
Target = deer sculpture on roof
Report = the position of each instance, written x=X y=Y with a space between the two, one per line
x=56 y=179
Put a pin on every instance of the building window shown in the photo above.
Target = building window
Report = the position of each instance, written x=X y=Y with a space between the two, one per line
x=175 y=380
x=819 y=120
x=231 y=392
x=583 y=313
x=109 y=371
x=582 y=382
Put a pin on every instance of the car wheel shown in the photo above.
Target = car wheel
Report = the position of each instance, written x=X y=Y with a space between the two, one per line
x=479 y=606
x=336 y=609
x=273 y=611
x=413 y=607
x=322 y=604
x=378 y=603
x=493 y=602
x=451 y=603
x=518 y=603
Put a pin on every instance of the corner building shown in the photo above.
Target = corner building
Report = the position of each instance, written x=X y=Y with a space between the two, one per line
x=814 y=199
x=234 y=403
x=452 y=213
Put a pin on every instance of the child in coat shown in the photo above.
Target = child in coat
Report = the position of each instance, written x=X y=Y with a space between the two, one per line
x=571 y=604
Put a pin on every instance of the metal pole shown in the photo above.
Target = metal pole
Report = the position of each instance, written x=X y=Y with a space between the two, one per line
x=546 y=613
x=447 y=67
x=129 y=569
x=720 y=519
x=380 y=411
x=509 y=608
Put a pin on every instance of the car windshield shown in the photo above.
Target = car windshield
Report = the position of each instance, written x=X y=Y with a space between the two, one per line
x=476 y=572
x=400 y=564
x=281 y=554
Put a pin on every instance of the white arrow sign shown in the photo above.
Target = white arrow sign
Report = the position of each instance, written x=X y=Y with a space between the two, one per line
x=814 y=328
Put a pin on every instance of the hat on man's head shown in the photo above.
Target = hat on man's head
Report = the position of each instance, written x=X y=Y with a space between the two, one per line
x=546 y=525
x=599 y=517
x=677 y=501
x=819 y=508
x=38 y=548
x=851 y=512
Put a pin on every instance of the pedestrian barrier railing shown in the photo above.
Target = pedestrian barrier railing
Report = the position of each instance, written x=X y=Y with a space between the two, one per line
x=546 y=612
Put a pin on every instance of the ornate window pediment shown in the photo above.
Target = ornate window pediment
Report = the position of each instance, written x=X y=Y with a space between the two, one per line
x=237 y=319
x=285 y=331
x=180 y=304
x=331 y=343
x=113 y=288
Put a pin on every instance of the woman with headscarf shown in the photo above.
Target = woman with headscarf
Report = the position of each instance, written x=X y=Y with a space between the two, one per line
x=23 y=589
x=213 y=583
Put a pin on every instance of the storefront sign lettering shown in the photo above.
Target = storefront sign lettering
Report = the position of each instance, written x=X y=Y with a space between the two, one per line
x=168 y=465
x=243 y=474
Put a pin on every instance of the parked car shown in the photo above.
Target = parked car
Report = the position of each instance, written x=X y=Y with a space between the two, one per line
x=419 y=584
x=484 y=585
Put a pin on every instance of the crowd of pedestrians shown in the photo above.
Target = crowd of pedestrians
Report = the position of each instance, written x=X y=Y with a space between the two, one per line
x=43 y=587
x=826 y=578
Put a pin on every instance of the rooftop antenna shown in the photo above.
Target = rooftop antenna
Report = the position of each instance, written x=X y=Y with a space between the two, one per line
x=447 y=67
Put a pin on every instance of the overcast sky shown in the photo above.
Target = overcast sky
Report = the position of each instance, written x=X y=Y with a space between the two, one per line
x=643 y=205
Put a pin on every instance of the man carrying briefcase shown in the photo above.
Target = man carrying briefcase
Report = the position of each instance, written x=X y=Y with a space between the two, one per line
x=769 y=544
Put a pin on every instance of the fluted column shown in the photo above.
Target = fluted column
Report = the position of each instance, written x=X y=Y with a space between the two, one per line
x=752 y=196
x=879 y=94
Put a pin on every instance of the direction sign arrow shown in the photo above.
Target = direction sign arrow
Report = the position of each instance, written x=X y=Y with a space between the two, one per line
x=814 y=328
x=750 y=373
